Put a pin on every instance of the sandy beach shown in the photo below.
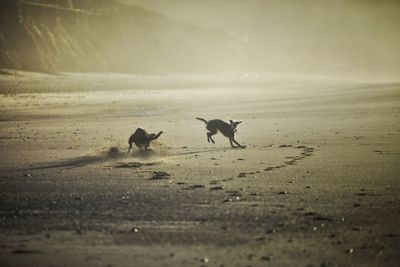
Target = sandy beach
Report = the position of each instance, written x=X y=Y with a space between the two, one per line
x=317 y=184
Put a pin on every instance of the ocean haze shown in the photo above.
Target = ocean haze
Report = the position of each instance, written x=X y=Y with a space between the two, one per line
x=349 y=37
x=341 y=38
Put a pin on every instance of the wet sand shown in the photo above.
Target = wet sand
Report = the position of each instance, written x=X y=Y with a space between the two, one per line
x=317 y=184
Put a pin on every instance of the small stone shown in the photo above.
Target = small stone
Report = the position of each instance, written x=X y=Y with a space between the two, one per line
x=266 y=258
x=242 y=174
x=350 y=251
x=134 y=230
x=205 y=260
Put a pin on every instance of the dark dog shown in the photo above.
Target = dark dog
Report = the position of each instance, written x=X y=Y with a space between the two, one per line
x=227 y=129
x=142 y=139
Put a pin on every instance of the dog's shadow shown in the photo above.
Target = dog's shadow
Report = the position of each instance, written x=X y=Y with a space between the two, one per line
x=78 y=161
x=113 y=154
x=71 y=163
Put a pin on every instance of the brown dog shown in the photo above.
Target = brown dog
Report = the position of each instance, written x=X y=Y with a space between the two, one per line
x=142 y=139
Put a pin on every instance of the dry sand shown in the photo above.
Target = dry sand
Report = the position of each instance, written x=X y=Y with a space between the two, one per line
x=317 y=185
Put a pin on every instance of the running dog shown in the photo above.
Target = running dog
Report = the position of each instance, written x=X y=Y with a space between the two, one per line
x=142 y=139
x=227 y=129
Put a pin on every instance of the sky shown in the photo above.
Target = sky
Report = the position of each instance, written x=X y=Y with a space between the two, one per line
x=343 y=35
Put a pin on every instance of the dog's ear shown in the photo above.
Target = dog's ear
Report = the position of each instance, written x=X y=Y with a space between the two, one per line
x=236 y=123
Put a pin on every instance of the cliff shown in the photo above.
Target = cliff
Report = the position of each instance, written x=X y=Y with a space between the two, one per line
x=103 y=35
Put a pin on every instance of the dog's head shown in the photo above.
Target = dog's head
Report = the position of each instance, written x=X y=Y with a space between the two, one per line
x=234 y=124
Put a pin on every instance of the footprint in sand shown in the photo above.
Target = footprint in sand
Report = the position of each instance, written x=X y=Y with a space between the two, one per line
x=216 y=188
x=158 y=175
x=133 y=164
x=197 y=186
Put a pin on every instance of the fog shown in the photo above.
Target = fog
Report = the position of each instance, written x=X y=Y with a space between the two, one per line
x=347 y=37
x=351 y=38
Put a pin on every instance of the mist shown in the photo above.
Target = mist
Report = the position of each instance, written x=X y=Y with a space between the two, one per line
x=350 y=37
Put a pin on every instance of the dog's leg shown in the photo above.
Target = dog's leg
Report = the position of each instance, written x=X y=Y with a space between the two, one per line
x=233 y=140
x=210 y=134
x=130 y=142
x=129 y=149
x=230 y=141
x=146 y=146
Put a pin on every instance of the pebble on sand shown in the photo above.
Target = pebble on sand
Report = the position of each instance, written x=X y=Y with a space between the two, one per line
x=266 y=258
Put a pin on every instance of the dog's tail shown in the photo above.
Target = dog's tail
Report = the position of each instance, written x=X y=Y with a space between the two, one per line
x=155 y=136
x=200 y=119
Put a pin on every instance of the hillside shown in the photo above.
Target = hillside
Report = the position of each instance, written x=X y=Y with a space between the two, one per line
x=103 y=35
